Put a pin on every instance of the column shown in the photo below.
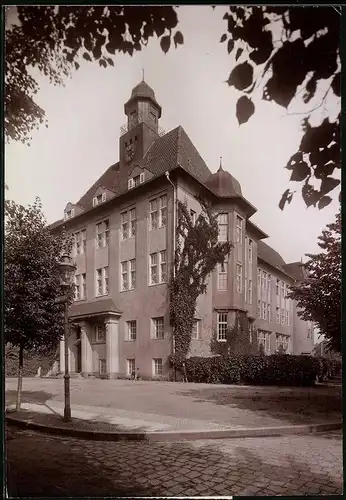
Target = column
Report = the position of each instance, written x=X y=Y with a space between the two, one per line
x=87 y=353
x=112 y=347
x=62 y=356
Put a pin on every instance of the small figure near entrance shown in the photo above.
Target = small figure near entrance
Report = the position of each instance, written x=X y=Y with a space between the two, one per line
x=135 y=375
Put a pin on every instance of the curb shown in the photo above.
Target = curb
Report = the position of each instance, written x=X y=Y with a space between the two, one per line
x=180 y=435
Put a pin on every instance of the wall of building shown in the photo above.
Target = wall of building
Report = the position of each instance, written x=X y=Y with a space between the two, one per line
x=303 y=337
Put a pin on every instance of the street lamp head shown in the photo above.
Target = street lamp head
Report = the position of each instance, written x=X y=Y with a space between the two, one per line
x=66 y=268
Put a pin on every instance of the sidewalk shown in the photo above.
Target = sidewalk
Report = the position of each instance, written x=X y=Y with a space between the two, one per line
x=92 y=422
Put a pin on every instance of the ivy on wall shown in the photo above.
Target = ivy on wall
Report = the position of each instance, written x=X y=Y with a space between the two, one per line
x=197 y=253
x=241 y=338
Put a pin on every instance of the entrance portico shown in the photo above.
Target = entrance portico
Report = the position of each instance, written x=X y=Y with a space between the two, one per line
x=94 y=339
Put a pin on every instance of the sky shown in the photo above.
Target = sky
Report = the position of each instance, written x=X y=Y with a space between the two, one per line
x=85 y=117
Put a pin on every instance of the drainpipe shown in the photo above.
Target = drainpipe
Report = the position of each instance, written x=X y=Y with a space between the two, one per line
x=174 y=244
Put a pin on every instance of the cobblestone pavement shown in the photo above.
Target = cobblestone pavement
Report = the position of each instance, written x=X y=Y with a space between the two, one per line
x=41 y=465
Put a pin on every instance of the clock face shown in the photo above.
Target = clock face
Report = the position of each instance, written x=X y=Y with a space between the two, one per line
x=130 y=150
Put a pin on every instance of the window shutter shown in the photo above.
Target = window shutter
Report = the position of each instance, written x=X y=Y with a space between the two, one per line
x=130 y=183
x=141 y=178
x=94 y=201
x=72 y=212
x=104 y=197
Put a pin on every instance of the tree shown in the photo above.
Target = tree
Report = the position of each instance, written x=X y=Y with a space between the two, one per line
x=319 y=296
x=287 y=52
x=285 y=67
x=197 y=253
x=240 y=339
x=33 y=318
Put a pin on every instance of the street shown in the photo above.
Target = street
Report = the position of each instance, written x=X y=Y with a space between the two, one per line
x=42 y=465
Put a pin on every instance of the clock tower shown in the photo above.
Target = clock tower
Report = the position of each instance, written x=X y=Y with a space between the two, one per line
x=142 y=127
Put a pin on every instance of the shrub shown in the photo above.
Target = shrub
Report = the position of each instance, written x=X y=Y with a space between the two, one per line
x=277 y=369
x=31 y=362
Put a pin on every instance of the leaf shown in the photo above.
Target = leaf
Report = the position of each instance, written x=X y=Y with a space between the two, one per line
x=86 y=56
x=310 y=195
x=245 y=109
x=336 y=85
x=110 y=61
x=230 y=45
x=103 y=63
x=324 y=201
x=165 y=43
x=328 y=184
x=76 y=65
x=300 y=171
x=110 y=48
x=241 y=76
x=311 y=87
x=285 y=198
x=178 y=39
x=223 y=38
x=238 y=54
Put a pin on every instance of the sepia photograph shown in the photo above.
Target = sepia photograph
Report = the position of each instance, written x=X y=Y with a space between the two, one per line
x=172 y=251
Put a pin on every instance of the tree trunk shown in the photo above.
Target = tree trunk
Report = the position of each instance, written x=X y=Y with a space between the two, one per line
x=20 y=378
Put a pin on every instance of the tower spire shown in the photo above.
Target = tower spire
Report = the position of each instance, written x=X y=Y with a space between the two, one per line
x=142 y=74
x=220 y=167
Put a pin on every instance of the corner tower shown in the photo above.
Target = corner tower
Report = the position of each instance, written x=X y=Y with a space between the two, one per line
x=142 y=128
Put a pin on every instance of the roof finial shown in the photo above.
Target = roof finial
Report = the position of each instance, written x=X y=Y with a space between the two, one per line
x=220 y=167
x=142 y=74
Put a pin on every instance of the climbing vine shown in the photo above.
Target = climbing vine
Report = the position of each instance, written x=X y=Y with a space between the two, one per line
x=197 y=253
x=241 y=338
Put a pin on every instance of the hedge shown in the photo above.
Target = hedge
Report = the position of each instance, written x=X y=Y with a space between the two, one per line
x=275 y=369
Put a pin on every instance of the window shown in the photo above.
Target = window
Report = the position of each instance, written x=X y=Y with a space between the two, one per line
x=269 y=286
x=193 y=216
x=157 y=366
x=153 y=269
x=222 y=326
x=102 y=234
x=269 y=312
x=264 y=280
x=80 y=286
x=287 y=318
x=102 y=367
x=132 y=274
x=152 y=116
x=163 y=211
x=250 y=250
x=163 y=267
x=249 y=292
x=153 y=216
x=223 y=275
x=195 y=335
x=132 y=222
x=128 y=269
x=158 y=328
x=259 y=308
x=239 y=230
x=69 y=214
x=277 y=314
x=282 y=316
x=259 y=274
x=278 y=287
x=264 y=339
x=264 y=311
x=100 y=333
x=124 y=226
x=223 y=227
x=101 y=198
x=283 y=341
x=136 y=181
x=131 y=366
x=131 y=330
x=102 y=281
x=239 y=278
x=79 y=243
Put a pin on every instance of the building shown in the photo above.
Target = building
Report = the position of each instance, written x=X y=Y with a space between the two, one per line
x=123 y=229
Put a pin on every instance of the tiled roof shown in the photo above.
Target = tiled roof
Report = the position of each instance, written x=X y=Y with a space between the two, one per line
x=271 y=257
x=297 y=270
x=166 y=153
x=103 y=306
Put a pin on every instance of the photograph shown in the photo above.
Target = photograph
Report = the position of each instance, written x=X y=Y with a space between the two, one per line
x=172 y=251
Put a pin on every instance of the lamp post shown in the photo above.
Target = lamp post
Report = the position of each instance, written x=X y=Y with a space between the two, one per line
x=66 y=268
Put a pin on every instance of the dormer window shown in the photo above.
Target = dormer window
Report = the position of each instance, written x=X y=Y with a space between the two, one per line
x=101 y=198
x=135 y=181
x=69 y=214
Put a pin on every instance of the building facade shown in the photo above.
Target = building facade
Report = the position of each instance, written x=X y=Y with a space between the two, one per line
x=123 y=234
